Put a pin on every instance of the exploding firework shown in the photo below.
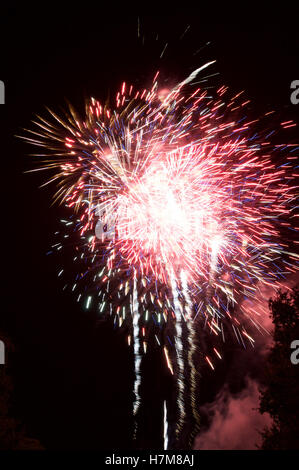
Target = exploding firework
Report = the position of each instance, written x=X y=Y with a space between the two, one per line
x=178 y=204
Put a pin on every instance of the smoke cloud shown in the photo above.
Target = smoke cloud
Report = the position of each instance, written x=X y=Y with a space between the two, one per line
x=235 y=421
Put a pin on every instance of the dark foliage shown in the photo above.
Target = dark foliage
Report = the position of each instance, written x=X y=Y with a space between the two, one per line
x=281 y=396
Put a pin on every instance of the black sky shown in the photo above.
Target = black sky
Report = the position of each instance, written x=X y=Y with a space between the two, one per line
x=74 y=375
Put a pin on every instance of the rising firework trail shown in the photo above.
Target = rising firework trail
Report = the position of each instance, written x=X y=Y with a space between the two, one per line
x=178 y=202
x=137 y=355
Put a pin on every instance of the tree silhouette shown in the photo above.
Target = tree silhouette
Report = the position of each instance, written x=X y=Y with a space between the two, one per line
x=12 y=432
x=281 y=395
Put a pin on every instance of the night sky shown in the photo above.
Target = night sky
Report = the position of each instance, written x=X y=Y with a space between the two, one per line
x=74 y=372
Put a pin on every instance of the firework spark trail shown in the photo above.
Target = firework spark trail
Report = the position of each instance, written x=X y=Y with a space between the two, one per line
x=136 y=345
x=193 y=373
x=165 y=426
x=180 y=358
x=188 y=79
x=192 y=349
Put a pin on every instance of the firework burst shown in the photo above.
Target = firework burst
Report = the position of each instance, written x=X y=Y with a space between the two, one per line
x=178 y=204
